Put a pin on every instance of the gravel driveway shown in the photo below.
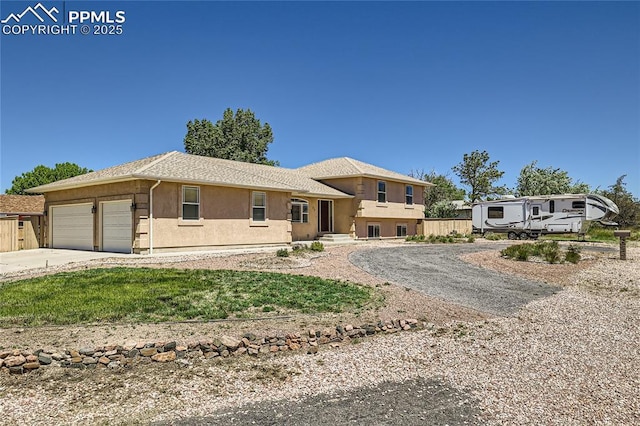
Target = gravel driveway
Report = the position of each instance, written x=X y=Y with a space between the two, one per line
x=437 y=271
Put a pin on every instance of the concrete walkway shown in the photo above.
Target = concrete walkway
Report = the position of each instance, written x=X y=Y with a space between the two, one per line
x=22 y=260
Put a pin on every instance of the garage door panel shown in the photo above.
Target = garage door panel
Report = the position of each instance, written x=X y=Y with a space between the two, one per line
x=72 y=227
x=116 y=226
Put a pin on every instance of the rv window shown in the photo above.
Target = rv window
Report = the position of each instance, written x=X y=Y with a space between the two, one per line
x=552 y=206
x=495 y=212
x=577 y=205
x=536 y=211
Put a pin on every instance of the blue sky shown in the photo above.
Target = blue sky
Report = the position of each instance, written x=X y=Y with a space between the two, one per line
x=403 y=85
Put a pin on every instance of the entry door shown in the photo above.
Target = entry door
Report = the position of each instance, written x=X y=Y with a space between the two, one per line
x=536 y=216
x=325 y=216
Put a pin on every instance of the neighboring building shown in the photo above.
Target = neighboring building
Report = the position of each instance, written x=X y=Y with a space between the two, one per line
x=22 y=221
x=463 y=209
x=177 y=201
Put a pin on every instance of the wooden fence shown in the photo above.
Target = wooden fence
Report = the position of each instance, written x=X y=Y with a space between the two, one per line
x=444 y=226
x=8 y=233
x=20 y=234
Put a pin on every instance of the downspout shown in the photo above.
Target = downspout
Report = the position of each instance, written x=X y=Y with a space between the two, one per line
x=151 y=216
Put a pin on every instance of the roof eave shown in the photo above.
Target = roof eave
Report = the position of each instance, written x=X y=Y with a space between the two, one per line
x=49 y=188
x=369 y=175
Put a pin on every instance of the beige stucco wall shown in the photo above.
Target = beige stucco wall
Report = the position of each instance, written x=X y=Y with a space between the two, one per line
x=387 y=227
x=225 y=218
x=136 y=191
x=225 y=215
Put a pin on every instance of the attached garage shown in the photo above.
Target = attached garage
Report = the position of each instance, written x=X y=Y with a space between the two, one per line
x=117 y=224
x=72 y=226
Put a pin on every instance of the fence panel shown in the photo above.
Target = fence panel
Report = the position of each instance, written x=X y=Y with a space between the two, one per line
x=8 y=234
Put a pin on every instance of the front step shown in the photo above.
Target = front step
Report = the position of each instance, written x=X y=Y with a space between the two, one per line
x=335 y=238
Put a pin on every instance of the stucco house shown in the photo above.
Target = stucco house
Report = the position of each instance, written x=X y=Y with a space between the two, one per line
x=177 y=201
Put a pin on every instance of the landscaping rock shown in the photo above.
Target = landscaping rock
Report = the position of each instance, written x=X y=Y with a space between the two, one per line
x=86 y=351
x=31 y=365
x=164 y=356
x=89 y=361
x=44 y=359
x=147 y=352
x=231 y=343
x=14 y=361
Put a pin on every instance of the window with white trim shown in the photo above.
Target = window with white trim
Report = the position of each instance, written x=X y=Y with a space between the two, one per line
x=190 y=203
x=299 y=210
x=382 y=191
x=373 y=230
x=259 y=206
x=408 y=194
x=401 y=230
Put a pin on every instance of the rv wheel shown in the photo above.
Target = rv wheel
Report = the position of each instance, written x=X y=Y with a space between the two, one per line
x=512 y=235
x=524 y=236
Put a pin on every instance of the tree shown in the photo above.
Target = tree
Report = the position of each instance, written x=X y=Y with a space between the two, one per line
x=443 y=191
x=42 y=175
x=443 y=210
x=628 y=205
x=534 y=180
x=479 y=174
x=238 y=136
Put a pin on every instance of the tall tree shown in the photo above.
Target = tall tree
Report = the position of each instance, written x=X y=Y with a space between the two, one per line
x=628 y=205
x=238 y=136
x=437 y=199
x=479 y=175
x=41 y=175
x=534 y=180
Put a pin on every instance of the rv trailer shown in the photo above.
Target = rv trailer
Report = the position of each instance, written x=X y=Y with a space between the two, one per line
x=530 y=217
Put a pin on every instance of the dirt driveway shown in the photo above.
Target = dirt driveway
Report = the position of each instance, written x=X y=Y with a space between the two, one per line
x=437 y=271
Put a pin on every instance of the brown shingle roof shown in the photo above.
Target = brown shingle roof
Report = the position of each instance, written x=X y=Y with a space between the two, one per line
x=346 y=167
x=22 y=204
x=177 y=166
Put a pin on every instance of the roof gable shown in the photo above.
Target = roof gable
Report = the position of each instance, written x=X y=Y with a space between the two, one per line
x=348 y=167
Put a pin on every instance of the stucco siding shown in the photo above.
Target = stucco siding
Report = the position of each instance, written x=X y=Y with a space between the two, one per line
x=387 y=227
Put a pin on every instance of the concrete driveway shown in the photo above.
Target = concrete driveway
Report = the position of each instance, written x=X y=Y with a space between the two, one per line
x=17 y=261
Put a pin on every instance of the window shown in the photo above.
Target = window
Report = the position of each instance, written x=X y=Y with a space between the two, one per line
x=552 y=206
x=408 y=197
x=382 y=191
x=577 y=205
x=495 y=212
x=401 y=230
x=536 y=211
x=299 y=210
x=373 y=230
x=190 y=202
x=259 y=207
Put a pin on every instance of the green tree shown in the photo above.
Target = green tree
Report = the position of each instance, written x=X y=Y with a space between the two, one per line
x=628 y=205
x=239 y=137
x=444 y=190
x=479 y=175
x=443 y=210
x=534 y=180
x=42 y=175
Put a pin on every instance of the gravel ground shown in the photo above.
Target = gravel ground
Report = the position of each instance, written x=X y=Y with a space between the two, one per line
x=570 y=358
x=437 y=271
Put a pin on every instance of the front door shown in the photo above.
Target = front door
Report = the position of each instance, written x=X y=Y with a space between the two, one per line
x=536 y=217
x=325 y=216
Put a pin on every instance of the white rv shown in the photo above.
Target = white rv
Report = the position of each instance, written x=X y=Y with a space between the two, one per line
x=529 y=217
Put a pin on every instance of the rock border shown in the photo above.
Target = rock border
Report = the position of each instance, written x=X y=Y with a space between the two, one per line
x=116 y=356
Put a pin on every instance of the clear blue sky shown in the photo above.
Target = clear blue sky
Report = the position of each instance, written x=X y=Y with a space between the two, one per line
x=403 y=85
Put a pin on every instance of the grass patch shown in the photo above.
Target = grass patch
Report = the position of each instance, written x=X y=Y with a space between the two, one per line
x=155 y=295
x=595 y=234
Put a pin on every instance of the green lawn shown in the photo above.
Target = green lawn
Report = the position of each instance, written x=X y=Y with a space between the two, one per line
x=154 y=295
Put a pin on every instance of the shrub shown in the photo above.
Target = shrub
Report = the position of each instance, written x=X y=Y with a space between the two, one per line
x=519 y=252
x=282 y=253
x=299 y=247
x=471 y=239
x=551 y=252
x=573 y=254
x=493 y=237
x=317 y=246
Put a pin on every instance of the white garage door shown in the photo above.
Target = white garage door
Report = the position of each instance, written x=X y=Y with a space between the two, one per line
x=72 y=227
x=116 y=226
